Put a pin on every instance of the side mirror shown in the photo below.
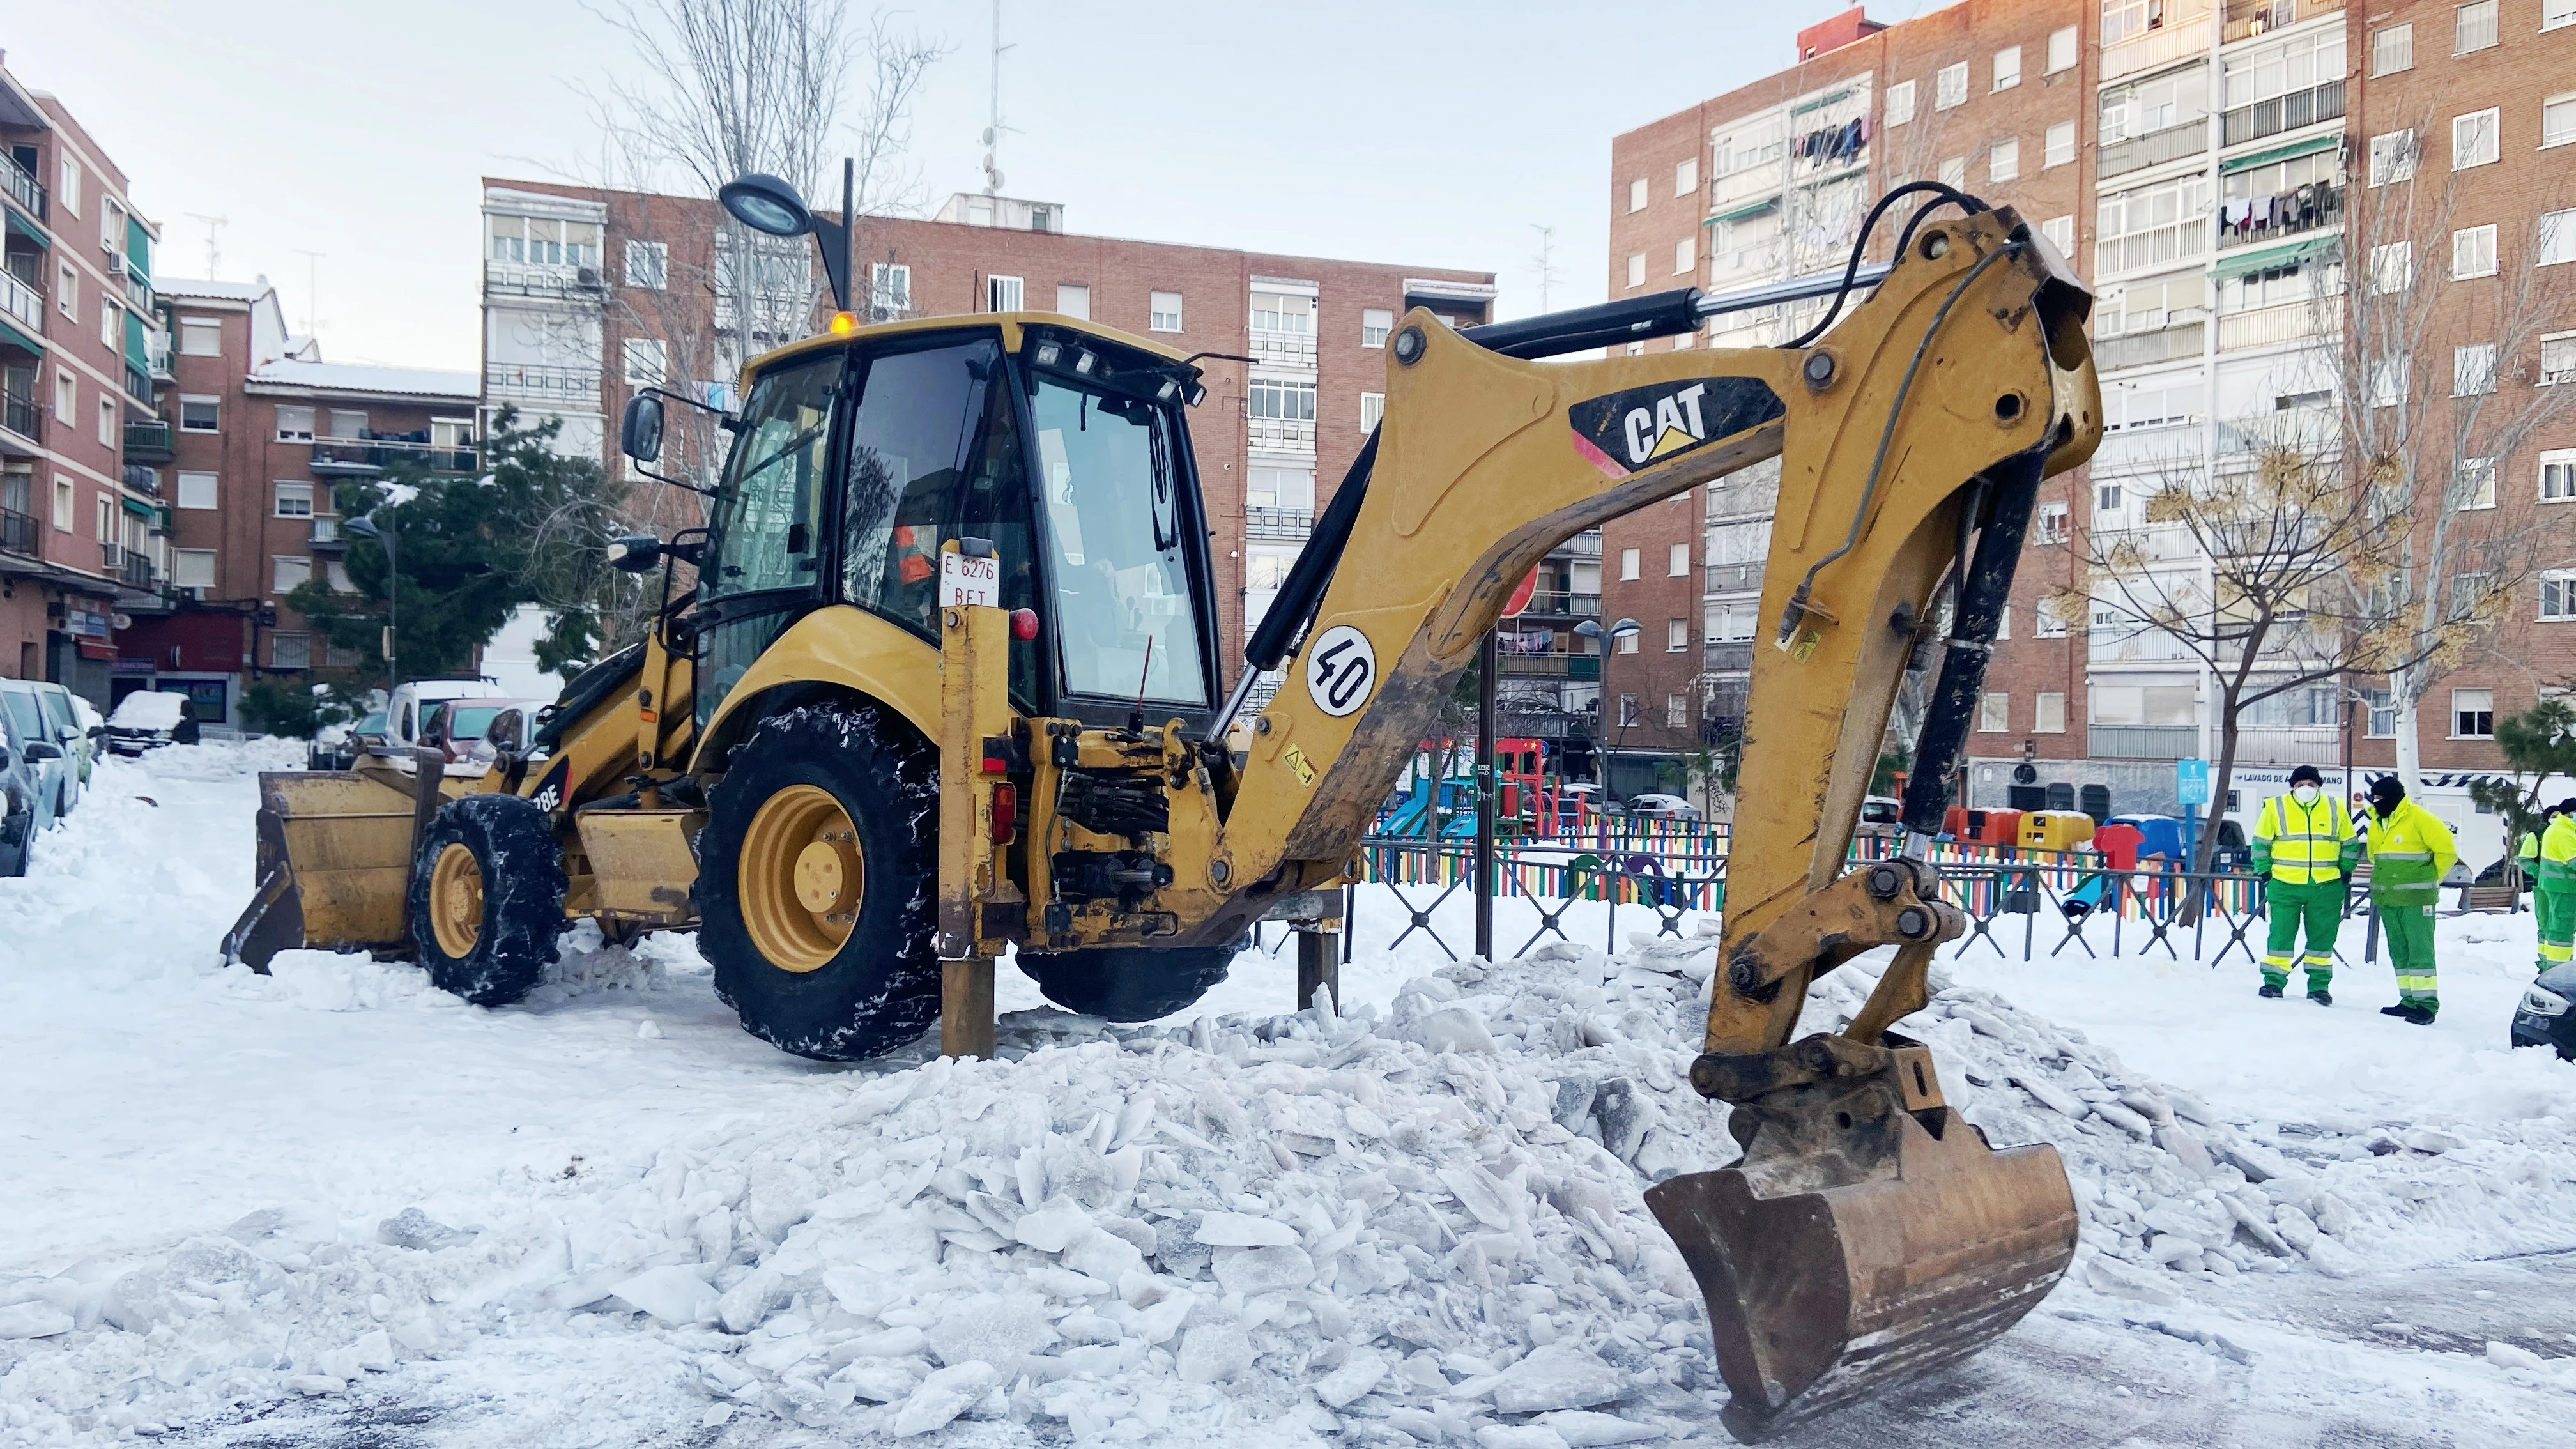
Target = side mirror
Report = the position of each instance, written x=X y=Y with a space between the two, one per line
x=639 y=432
x=40 y=750
x=98 y=731
x=506 y=731
x=634 y=553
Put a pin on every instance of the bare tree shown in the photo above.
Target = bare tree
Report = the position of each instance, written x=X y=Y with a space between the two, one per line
x=2442 y=398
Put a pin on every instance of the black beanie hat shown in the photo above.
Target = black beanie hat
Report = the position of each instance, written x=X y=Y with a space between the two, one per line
x=2566 y=806
x=2386 y=791
x=2306 y=775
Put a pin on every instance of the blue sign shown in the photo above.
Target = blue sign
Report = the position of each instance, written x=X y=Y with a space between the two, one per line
x=2191 y=782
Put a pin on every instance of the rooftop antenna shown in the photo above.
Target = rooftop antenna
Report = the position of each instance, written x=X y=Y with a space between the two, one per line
x=1546 y=260
x=312 y=291
x=993 y=130
x=214 y=243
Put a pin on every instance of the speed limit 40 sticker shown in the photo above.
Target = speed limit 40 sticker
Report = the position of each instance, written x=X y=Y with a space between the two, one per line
x=1341 y=670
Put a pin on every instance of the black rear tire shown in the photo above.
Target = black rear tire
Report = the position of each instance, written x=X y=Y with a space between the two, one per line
x=880 y=988
x=1127 y=983
x=513 y=845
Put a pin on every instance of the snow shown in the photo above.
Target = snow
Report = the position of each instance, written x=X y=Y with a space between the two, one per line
x=368 y=378
x=148 y=710
x=606 y=1215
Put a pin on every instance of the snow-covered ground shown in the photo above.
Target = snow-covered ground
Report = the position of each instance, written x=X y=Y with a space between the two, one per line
x=334 y=1207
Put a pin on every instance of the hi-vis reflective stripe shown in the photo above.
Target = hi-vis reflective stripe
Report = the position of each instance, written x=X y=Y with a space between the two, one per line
x=2404 y=855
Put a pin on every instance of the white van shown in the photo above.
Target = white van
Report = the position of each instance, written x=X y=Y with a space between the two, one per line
x=414 y=700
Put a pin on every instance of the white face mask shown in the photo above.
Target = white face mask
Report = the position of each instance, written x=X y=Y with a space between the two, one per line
x=2304 y=794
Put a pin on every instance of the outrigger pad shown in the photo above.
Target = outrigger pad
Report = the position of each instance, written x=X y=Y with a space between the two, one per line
x=1832 y=1274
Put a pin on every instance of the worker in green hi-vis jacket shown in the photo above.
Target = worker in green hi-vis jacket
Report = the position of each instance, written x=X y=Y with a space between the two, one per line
x=2553 y=892
x=2304 y=846
x=2410 y=851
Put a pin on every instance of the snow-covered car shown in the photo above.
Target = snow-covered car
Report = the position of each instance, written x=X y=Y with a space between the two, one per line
x=1662 y=807
x=337 y=747
x=149 y=719
x=23 y=764
x=93 y=733
x=2543 y=1019
x=31 y=720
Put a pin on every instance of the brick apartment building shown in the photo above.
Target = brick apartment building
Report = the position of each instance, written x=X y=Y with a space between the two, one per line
x=2199 y=163
x=81 y=353
x=261 y=430
x=652 y=287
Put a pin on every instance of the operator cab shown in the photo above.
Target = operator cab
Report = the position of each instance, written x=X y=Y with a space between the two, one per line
x=857 y=455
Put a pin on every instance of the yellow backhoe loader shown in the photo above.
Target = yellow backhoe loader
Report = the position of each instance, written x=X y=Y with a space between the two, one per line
x=946 y=687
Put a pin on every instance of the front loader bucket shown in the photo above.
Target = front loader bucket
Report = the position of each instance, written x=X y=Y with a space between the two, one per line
x=1864 y=1239
x=335 y=852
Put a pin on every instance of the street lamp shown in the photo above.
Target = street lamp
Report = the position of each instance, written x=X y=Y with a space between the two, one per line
x=365 y=527
x=1591 y=629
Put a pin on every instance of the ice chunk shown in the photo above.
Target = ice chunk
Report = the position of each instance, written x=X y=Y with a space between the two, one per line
x=1557 y=1376
x=2257 y=1162
x=33 y=1320
x=2507 y=1356
x=1242 y=1230
x=1263 y=1270
x=374 y=1351
x=1360 y=1373
x=2178 y=1140
x=1216 y=1351
x=1587 y=1429
x=1103 y=1255
x=1052 y=1228
x=943 y=1396
x=412 y=1228
x=1518 y=1436
x=746 y=1303
x=991 y=1328
x=2122 y=1282
x=1456 y=1029
x=673 y=1293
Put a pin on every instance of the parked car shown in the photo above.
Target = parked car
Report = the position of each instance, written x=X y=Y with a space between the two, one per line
x=64 y=720
x=1662 y=807
x=1881 y=816
x=457 y=729
x=337 y=747
x=30 y=720
x=93 y=729
x=407 y=713
x=23 y=762
x=2542 y=1019
x=149 y=719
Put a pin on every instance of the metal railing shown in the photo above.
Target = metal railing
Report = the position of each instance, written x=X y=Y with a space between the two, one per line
x=326 y=530
x=22 y=302
x=2137 y=153
x=2162 y=345
x=1263 y=520
x=20 y=415
x=2282 y=113
x=2324 y=213
x=2154 y=48
x=1563 y=603
x=156 y=355
x=371 y=451
x=527 y=280
x=1285 y=349
x=23 y=187
x=1281 y=433
x=542 y=380
x=143 y=440
x=2290 y=322
x=2143 y=742
x=19 y=532
x=143 y=479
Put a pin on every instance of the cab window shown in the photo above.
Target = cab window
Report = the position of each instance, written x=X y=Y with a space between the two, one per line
x=1125 y=622
x=769 y=511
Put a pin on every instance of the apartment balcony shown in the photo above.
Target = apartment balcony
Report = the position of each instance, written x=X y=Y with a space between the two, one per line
x=1727 y=656
x=2137 y=153
x=326 y=537
x=156 y=356
x=2315 y=432
x=1282 y=434
x=1733 y=578
x=23 y=304
x=523 y=279
x=2281 y=113
x=2177 y=38
x=20 y=533
x=148 y=443
x=1285 y=349
x=1277 y=525
x=2273 y=219
x=143 y=480
x=22 y=187
x=2110 y=354
x=131 y=567
x=138 y=290
x=22 y=424
x=2246 y=19
x=2280 y=326
x=138 y=383
x=370 y=454
x=1556 y=604
x=541 y=382
x=2142 y=742
x=1583 y=545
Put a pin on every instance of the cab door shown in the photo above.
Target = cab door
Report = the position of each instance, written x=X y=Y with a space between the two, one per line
x=768 y=528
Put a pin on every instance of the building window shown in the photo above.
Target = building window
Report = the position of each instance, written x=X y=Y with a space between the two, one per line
x=2129 y=19
x=1628 y=644
x=2392 y=157
x=2388 y=380
x=2473 y=138
x=2048 y=713
x=2558 y=476
x=1372 y=410
x=1954 y=172
x=2557 y=358
x=67 y=185
x=107 y=422
x=1003 y=294
x=288 y=572
x=2473 y=27
x=294 y=424
x=2555 y=13
x=1280 y=487
x=2558 y=596
x=2473 y=370
x=195 y=490
x=2062 y=46
x=64 y=502
x=1637 y=193
x=1900 y=103
x=2473 y=252
x=2060 y=231
x=2472 y=714
x=647 y=360
x=290 y=651
x=1676 y=635
x=1375 y=324
x=1685 y=256
x=294 y=500
x=1686 y=176
x=1275 y=399
x=2392 y=268
x=2007 y=67
x=648 y=264
x=2061 y=145
x=347 y=425
x=2003 y=160
x=1950 y=86
x=67 y=289
x=1636 y=269
x=66 y=394
x=2382 y=723
x=111 y=325
x=1676 y=712
x=105 y=512
x=545 y=242
x=199 y=414
x=1994 y=712
x=192 y=568
x=2048 y=524
x=2473 y=483
x=1627 y=710
x=2171 y=403
x=1628 y=564
x=201 y=337
x=2558 y=119
x=2152 y=225
x=2003 y=622
x=1073 y=299
x=889 y=291
x=1163 y=313
x=2557 y=238
x=2392 y=49
x=1680 y=565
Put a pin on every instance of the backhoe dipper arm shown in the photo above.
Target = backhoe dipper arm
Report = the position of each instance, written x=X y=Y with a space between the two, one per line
x=1964 y=378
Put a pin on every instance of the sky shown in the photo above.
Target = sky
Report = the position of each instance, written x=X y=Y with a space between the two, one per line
x=343 y=145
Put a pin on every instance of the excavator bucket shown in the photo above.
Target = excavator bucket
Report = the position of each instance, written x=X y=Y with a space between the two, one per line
x=1868 y=1235
x=335 y=852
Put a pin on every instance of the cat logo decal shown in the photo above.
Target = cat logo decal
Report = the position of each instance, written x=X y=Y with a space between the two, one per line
x=1641 y=426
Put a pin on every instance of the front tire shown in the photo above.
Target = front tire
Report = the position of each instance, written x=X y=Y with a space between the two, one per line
x=487 y=893
x=1127 y=983
x=815 y=882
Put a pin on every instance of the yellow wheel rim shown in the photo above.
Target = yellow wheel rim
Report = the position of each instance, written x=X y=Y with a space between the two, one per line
x=456 y=901
x=801 y=878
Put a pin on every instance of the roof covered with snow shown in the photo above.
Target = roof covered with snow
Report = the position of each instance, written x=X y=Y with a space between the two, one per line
x=361 y=377
x=204 y=291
